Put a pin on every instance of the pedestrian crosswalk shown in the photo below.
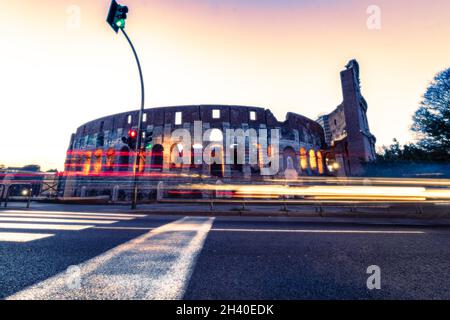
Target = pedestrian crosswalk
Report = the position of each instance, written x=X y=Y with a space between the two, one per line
x=157 y=265
x=26 y=226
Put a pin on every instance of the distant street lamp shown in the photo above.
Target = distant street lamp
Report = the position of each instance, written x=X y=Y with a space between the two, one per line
x=116 y=19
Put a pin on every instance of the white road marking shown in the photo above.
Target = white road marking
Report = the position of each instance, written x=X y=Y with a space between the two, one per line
x=38 y=226
x=48 y=215
x=9 y=219
x=52 y=220
x=76 y=213
x=320 y=231
x=157 y=265
x=124 y=228
x=22 y=237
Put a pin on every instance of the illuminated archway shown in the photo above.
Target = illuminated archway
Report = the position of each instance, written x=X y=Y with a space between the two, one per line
x=312 y=159
x=98 y=161
x=320 y=162
x=87 y=163
x=110 y=160
x=303 y=159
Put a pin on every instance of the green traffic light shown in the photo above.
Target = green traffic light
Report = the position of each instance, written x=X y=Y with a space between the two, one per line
x=120 y=23
x=149 y=146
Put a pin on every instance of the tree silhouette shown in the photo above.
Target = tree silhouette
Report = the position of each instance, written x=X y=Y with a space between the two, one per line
x=432 y=119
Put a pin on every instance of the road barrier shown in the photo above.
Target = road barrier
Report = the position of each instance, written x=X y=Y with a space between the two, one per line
x=7 y=197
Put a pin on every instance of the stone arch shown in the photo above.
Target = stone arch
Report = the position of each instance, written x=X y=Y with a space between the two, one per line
x=110 y=160
x=157 y=157
x=303 y=159
x=216 y=169
x=312 y=160
x=176 y=151
x=215 y=135
x=320 y=163
x=98 y=161
x=235 y=166
x=87 y=163
x=124 y=159
x=288 y=152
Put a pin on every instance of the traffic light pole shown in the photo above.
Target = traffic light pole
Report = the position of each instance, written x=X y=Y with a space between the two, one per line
x=139 y=130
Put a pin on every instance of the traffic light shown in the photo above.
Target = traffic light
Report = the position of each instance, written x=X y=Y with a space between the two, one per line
x=131 y=139
x=148 y=140
x=117 y=16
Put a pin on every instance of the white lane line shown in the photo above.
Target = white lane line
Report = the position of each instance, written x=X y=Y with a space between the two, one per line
x=320 y=231
x=124 y=228
x=38 y=226
x=22 y=237
x=3 y=219
x=157 y=265
x=47 y=215
x=77 y=213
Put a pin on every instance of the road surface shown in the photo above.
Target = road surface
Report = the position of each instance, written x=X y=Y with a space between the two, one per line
x=112 y=255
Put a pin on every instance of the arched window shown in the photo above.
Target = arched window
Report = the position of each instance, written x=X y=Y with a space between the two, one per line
x=303 y=159
x=98 y=161
x=142 y=157
x=78 y=162
x=196 y=150
x=215 y=135
x=312 y=159
x=176 y=152
x=320 y=162
x=124 y=162
x=235 y=165
x=87 y=163
x=110 y=159
x=217 y=168
x=157 y=157
x=288 y=152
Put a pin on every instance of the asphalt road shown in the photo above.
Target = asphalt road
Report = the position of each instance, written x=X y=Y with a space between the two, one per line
x=113 y=255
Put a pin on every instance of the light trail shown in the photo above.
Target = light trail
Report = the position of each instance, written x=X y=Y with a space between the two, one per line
x=344 y=193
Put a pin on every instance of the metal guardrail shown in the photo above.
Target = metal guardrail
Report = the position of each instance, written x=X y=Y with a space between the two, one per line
x=319 y=206
x=2 y=186
x=7 y=195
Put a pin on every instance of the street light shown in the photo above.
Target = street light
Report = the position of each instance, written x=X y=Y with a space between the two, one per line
x=116 y=19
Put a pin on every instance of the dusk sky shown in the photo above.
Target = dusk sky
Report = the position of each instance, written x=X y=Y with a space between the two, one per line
x=60 y=69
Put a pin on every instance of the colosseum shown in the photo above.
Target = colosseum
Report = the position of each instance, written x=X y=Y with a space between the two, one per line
x=100 y=161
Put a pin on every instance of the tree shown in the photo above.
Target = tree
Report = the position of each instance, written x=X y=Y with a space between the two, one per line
x=31 y=168
x=408 y=153
x=432 y=119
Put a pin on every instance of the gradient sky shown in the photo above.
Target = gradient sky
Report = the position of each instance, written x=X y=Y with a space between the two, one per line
x=285 y=55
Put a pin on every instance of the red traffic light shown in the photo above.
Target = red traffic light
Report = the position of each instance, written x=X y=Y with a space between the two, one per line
x=132 y=134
